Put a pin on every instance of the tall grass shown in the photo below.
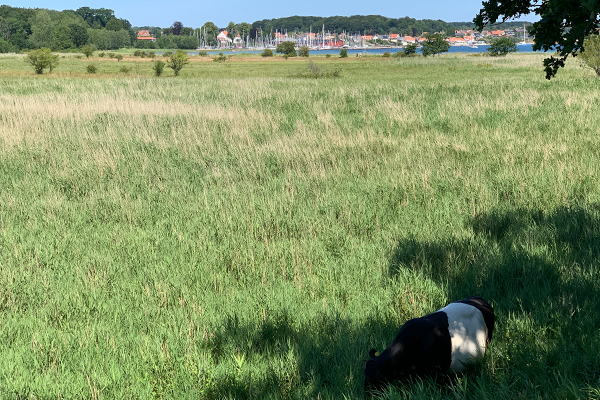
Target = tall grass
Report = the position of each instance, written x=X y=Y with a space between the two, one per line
x=236 y=234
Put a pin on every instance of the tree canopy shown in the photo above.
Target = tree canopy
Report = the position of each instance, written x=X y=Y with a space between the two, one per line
x=435 y=44
x=591 y=55
x=177 y=61
x=176 y=28
x=502 y=46
x=286 y=48
x=230 y=30
x=209 y=32
x=114 y=24
x=41 y=59
x=563 y=24
x=95 y=17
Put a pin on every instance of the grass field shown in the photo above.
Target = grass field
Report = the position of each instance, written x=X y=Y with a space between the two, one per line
x=239 y=233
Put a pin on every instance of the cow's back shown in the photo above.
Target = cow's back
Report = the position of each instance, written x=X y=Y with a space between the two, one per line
x=468 y=333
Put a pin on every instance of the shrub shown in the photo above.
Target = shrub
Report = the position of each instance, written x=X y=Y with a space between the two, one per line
x=41 y=59
x=202 y=53
x=124 y=70
x=91 y=69
x=158 y=68
x=220 y=58
x=102 y=54
x=87 y=51
x=119 y=57
x=343 y=53
x=303 y=51
x=502 y=46
x=267 y=53
x=144 y=54
x=111 y=55
x=167 y=54
x=386 y=54
x=327 y=55
x=312 y=70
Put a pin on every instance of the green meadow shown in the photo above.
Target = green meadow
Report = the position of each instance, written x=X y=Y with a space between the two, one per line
x=238 y=232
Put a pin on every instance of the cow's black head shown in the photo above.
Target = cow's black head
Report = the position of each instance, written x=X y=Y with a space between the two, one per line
x=374 y=378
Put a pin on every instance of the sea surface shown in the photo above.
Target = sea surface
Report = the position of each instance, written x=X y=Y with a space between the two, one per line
x=522 y=48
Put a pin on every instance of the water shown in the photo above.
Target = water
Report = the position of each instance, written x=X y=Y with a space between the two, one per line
x=522 y=48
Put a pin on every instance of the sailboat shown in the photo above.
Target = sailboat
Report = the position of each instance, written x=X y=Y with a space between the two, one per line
x=524 y=37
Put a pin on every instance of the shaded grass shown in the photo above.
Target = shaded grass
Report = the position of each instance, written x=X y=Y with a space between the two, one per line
x=218 y=237
x=541 y=270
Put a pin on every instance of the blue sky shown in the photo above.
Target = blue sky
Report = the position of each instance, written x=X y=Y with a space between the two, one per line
x=194 y=14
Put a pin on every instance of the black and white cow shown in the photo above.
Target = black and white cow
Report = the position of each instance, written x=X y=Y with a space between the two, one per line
x=444 y=341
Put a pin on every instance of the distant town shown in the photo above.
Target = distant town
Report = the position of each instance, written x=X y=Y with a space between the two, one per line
x=328 y=40
x=24 y=29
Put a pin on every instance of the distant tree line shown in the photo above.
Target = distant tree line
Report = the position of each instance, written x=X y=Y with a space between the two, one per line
x=22 y=29
x=369 y=25
x=26 y=29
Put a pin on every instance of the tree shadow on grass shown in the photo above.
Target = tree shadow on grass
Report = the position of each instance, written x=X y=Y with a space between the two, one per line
x=323 y=359
x=541 y=272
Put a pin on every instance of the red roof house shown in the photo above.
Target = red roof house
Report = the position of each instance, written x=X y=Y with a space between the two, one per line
x=145 y=35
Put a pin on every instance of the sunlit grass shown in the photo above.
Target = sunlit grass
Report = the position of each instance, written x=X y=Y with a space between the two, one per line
x=237 y=233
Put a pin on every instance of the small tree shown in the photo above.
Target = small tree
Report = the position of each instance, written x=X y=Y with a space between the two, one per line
x=591 y=54
x=91 y=69
x=177 y=61
x=287 y=48
x=502 y=46
x=303 y=51
x=435 y=44
x=158 y=68
x=343 y=53
x=41 y=59
x=119 y=57
x=410 y=49
x=87 y=50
